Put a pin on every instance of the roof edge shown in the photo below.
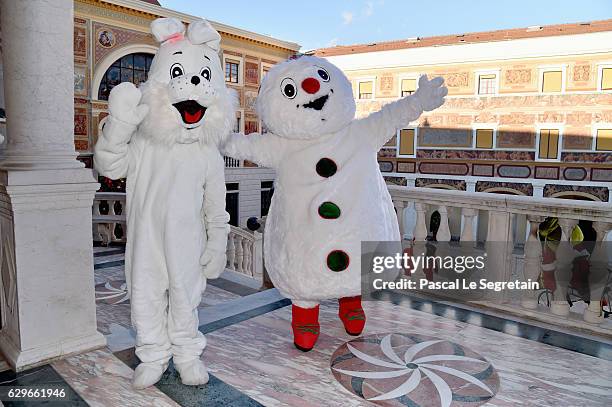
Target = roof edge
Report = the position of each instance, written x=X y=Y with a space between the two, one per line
x=470 y=38
x=228 y=29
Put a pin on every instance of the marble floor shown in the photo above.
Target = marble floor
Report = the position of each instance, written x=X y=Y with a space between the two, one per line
x=411 y=354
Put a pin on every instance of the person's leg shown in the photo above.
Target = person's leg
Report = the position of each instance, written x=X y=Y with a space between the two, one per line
x=186 y=286
x=149 y=303
x=305 y=324
x=352 y=315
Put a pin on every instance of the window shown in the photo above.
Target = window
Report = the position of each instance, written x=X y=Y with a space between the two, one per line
x=484 y=138
x=366 y=90
x=231 y=202
x=548 y=144
x=606 y=78
x=265 y=68
x=231 y=71
x=129 y=68
x=408 y=86
x=552 y=81
x=487 y=84
x=603 y=140
x=406 y=143
x=267 y=190
x=237 y=125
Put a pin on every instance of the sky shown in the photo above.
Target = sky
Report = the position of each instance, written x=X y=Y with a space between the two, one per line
x=323 y=23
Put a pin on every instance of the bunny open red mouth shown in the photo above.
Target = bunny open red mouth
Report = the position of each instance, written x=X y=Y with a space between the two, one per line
x=190 y=110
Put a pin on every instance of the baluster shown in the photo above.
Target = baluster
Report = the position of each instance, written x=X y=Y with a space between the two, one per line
x=96 y=208
x=593 y=313
x=239 y=254
x=559 y=305
x=467 y=232
x=231 y=251
x=247 y=257
x=420 y=235
x=399 y=209
x=444 y=234
x=257 y=256
x=420 y=229
x=533 y=260
x=499 y=248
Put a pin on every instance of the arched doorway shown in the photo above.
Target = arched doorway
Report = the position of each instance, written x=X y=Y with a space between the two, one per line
x=132 y=68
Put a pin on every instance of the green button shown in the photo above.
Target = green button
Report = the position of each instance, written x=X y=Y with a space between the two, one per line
x=337 y=260
x=329 y=210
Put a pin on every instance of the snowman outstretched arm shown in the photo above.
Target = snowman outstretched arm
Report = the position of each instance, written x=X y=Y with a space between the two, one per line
x=381 y=126
x=262 y=149
x=114 y=151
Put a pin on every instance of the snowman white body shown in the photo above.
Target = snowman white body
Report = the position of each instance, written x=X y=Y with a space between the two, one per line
x=321 y=154
x=298 y=239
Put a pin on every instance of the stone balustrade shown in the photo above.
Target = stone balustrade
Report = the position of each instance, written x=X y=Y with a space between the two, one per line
x=231 y=162
x=245 y=253
x=486 y=218
x=108 y=218
x=244 y=248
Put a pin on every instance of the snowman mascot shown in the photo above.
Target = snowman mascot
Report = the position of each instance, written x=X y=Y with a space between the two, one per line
x=164 y=138
x=329 y=193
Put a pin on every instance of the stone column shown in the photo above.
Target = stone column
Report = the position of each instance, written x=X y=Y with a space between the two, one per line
x=46 y=262
x=538 y=189
x=498 y=247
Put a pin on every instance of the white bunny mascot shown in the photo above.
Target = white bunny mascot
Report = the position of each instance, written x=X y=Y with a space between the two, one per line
x=164 y=138
x=329 y=193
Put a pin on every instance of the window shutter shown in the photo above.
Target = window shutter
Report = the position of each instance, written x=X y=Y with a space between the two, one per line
x=604 y=140
x=606 y=79
x=406 y=144
x=543 y=153
x=408 y=85
x=484 y=138
x=553 y=144
x=552 y=81
x=365 y=87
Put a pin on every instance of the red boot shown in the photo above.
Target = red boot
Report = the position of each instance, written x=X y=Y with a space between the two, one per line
x=352 y=315
x=305 y=324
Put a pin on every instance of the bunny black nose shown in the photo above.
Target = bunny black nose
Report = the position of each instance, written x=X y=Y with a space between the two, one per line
x=195 y=79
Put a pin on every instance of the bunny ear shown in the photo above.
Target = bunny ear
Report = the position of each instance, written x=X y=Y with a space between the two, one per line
x=164 y=29
x=201 y=32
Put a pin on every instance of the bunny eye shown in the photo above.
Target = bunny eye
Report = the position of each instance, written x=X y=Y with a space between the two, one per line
x=206 y=73
x=176 y=70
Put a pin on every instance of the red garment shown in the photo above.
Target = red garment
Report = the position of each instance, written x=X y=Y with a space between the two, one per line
x=352 y=315
x=305 y=325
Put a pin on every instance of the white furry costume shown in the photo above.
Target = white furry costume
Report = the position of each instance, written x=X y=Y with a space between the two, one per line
x=322 y=154
x=165 y=141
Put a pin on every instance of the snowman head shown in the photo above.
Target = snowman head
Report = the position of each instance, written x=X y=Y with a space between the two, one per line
x=305 y=98
x=185 y=91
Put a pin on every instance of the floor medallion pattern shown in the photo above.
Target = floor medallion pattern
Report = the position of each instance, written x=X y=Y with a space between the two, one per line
x=399 y=369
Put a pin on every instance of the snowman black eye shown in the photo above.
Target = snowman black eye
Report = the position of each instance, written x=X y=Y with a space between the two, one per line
x=206 y=73
x=288 y=88
x=323 y=74
x=176 y=70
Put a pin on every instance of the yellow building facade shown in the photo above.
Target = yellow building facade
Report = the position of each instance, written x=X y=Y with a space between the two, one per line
x=529 y=110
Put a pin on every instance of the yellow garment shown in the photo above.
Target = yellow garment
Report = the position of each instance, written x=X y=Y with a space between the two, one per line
x=551 y=231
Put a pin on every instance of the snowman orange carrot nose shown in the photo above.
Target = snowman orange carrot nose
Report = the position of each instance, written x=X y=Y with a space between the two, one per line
x=311 y=85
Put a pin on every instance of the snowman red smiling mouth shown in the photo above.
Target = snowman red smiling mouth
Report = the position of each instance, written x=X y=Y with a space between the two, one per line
x=191 y=111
